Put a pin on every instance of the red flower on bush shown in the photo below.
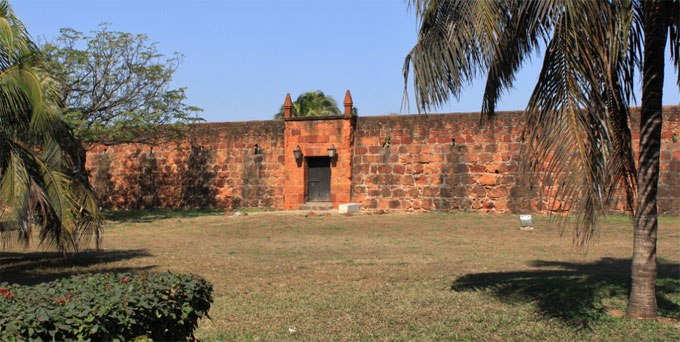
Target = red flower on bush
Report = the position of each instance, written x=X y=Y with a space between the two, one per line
x=125 y=280
x=61 y=300
x=8 y=295
x=3 y=290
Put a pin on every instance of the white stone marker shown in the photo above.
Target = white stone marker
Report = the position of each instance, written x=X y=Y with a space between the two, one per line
x=348 y=208
x=526 y=221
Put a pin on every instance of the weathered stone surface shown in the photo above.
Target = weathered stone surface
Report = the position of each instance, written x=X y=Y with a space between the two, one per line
x=215 y=165
x=432 y=162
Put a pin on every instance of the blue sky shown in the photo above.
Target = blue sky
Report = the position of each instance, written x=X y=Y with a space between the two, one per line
x=242 y=57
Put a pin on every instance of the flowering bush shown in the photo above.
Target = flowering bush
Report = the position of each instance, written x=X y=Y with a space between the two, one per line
x=100 y=307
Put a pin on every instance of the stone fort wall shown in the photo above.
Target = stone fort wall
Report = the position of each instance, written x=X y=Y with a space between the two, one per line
x=214 y=166
x=403 y=163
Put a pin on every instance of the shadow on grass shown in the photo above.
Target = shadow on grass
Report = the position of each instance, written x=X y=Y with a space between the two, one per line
x=142 y=216
x=574 y=292
x=31 y=268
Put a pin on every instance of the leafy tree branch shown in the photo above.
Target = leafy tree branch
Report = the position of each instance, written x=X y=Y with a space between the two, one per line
x=115 y=87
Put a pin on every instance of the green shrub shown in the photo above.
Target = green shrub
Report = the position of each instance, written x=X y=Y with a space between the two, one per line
x=105 y=307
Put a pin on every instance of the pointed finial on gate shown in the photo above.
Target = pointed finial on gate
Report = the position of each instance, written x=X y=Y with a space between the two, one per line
x=287 y=107
x=348 y=103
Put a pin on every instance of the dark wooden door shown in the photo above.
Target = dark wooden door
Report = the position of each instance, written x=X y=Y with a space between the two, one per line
x=319 y=179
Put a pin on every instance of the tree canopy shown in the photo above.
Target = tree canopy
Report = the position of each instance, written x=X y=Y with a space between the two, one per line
x=577 y=120
x=115 y=86
x=41 y=183
x=314 y=103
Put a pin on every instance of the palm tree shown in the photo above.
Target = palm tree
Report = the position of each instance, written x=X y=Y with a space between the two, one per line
x=312 y=103
x=578 y=115
x=42 y=182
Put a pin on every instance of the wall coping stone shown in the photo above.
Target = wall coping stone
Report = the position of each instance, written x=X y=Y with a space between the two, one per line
x=671 y=112
x=314 y=118
x=235 y=123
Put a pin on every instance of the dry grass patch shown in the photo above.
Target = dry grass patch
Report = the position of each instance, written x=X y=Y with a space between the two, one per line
x=389 y=277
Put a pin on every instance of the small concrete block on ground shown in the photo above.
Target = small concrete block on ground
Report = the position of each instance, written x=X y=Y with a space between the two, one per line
x=348 y=208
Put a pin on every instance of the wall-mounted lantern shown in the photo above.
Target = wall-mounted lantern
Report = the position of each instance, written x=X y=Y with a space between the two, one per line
x=332 y=152
x=256 y=150
x=297 y=153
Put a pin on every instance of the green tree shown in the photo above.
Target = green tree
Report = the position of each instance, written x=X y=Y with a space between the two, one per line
x=578 y=115
x=313 y=103
x=40 y=183
x=115 y=87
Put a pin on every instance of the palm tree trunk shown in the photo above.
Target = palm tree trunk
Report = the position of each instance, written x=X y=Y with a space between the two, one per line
x=642 y=300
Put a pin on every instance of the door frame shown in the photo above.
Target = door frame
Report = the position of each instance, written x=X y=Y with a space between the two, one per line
x=307 y=177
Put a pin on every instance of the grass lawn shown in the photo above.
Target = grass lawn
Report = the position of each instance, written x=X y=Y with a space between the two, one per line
x=398 y=277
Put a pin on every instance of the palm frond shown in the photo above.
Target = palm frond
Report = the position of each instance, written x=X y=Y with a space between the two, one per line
x=42 y=178
x=674 y=36
x=312 y=103
x=15 y=192
x=447 y=54
x=577 y=117
x=525 y=23
x=459 y=40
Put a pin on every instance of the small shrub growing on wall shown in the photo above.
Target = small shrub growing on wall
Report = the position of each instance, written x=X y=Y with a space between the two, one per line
x=105 y=307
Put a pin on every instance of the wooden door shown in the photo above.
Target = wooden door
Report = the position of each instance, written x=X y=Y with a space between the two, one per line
x=319 y=179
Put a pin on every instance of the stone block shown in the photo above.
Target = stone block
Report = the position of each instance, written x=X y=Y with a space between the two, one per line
x=348 y=208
